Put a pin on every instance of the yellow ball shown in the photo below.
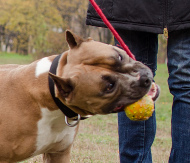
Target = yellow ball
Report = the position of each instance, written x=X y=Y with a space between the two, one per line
x=140 y=110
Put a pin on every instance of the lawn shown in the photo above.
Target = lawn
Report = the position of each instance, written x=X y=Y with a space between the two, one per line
x=97 y=140
x=12 y=58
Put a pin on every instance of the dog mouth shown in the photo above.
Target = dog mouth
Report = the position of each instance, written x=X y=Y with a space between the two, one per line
x=153 y=93
x=118 y=109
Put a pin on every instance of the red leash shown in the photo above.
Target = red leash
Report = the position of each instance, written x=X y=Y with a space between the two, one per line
x=114 y=32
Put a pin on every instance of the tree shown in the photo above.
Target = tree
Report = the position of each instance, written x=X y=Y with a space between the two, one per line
x=38 y=25
x=30 y=21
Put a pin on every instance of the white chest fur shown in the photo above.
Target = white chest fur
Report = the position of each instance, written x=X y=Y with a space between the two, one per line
x=51 y=130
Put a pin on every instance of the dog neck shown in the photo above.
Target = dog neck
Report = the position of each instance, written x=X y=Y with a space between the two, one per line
x=67 y=111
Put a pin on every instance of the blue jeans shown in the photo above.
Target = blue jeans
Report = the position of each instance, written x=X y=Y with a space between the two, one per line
x=136 y=138
x=179 y=84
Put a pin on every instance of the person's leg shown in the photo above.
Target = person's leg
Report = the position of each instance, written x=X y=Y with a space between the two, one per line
x=179 y=84
x=136 y=138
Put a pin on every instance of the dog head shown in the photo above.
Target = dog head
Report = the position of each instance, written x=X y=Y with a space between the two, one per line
x=96 y=78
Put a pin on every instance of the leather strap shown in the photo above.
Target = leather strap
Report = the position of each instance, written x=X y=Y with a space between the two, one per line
x=68 y=112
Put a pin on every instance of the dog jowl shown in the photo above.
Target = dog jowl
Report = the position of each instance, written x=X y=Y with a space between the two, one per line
x=90 y=78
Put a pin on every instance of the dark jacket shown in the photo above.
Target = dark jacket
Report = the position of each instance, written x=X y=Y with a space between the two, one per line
x=142 y=15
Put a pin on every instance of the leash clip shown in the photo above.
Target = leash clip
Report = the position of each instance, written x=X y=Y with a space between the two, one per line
x=72 y=125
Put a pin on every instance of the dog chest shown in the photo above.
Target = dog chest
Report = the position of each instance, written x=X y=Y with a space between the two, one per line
x=53 y=132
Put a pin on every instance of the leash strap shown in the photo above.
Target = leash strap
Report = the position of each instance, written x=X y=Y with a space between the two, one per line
x=67 y=111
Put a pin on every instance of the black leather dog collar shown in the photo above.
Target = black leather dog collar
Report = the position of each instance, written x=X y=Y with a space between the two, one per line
x=68 y=112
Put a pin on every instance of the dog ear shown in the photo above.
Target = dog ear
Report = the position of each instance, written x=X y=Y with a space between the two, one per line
x=64 y=86
x=73 y=40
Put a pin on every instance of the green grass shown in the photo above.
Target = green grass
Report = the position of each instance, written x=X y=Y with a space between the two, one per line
x=163 y=105
x=97 y=139
x=13 y=58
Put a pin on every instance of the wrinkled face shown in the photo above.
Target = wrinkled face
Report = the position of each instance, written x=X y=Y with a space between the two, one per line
x=101 y=79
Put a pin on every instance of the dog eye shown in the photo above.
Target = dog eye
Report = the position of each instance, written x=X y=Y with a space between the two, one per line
x=109 y=87
x=120 y=57
x=109 y=83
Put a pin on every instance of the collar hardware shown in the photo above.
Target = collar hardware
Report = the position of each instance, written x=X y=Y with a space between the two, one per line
x=72 y=125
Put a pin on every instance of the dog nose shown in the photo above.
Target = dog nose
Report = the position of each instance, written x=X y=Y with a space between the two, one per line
x=144 y=81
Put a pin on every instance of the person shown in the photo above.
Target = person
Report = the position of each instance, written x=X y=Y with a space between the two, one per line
x=139 y=23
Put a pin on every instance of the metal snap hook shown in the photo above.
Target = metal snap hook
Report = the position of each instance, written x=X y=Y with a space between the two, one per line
x=72 y=125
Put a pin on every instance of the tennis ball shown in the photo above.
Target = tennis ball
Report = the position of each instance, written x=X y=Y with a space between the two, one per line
x=140 y=110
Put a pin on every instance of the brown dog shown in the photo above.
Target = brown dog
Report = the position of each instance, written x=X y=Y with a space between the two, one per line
x=90 y=78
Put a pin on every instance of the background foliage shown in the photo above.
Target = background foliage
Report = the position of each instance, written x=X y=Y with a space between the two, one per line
x=37 y=26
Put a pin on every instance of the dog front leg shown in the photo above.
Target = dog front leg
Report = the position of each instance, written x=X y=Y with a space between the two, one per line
x=58 y=157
